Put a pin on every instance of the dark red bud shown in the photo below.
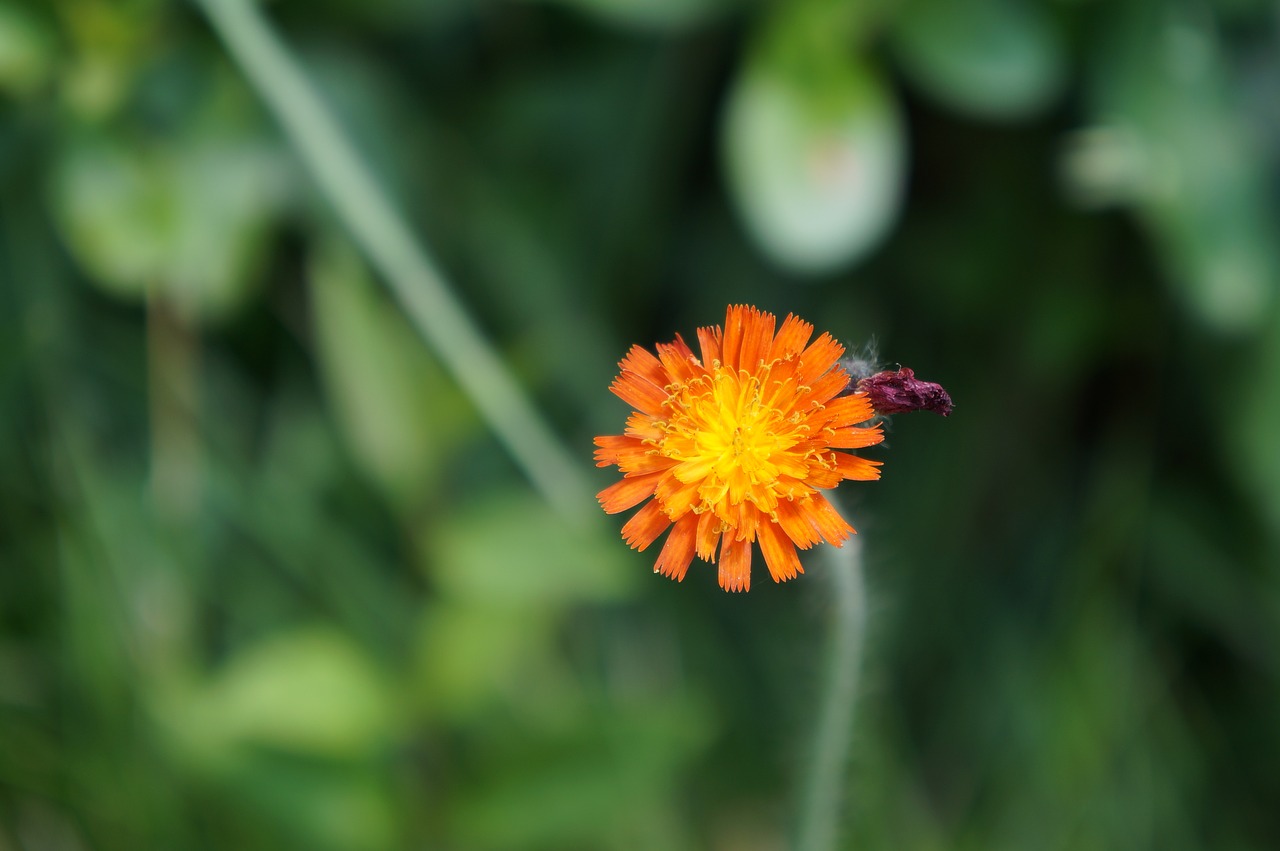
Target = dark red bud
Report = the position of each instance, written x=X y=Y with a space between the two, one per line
x=899 y=391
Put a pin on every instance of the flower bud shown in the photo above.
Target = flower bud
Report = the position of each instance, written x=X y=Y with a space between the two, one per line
x=899 y=391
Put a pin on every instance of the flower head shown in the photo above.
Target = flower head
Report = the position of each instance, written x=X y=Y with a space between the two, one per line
x=733 y=447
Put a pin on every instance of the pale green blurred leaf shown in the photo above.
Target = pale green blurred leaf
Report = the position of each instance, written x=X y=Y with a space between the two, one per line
x=652 y=14
x=514 y=550
x=471 y=654
x=1199 y=175
x=399 y=411
x=113 y=214
x=992 y=58
x=814 y=153
x=606 y=787
x=340 y=805
x=109 y=43
x=306 y=691
x=26 y=50
x=186 y=219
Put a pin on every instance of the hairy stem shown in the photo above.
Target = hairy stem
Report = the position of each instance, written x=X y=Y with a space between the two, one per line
x=823 y=789
x=389 y=245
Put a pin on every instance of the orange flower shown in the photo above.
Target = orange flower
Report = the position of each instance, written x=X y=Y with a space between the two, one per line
x=733 y=447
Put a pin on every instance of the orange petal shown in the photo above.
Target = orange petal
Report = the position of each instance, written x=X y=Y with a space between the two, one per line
x=735 y=564
x=825 y=388
x=615 y=441
x=632 y=456
x=683 y=348
x=645 y=526
x=695 y=469
x=677 y=552
x=679 y=361
x=708 y=536
x=826 y=520
x=848 y=410
x=792 y=488
x=677 y=497
x=640 y=361
x=709 y=341
x=615 y=446
x=821 y=355
x=639 y=392
x=736 y=317
x=649 y=461
x=856 y=468
x=740 y=518
x=779 y=553
x=794 y=520
x=645 y=427
x=822 y=476
x=757 y=337
x=779 y=386
x=628 y=493
x=792 y=468
x=792 y=336
x=855 y=437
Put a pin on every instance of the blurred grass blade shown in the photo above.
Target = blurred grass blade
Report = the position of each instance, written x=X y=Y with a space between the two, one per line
x=400 y=414
x=382 y=234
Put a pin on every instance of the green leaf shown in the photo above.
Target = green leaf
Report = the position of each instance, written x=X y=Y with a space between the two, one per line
x=399 y=411
x=113 y=215
x=309 y=692
x=606 y=783
x=473 y=652
x=26 y=51
x=515 y=551
x=1199 y=178
x=813 y=149
x=186 y=219
x=991 y=58
x=653 y=14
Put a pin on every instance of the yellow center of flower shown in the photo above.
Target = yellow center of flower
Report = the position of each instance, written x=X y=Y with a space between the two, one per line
x=736 y=439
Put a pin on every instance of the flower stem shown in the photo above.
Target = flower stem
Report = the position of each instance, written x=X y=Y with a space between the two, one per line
x=389 y=245
x=823 y=789
x=173 y=377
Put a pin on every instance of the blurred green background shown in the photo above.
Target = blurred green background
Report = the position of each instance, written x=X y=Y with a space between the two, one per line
x=267 y=580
